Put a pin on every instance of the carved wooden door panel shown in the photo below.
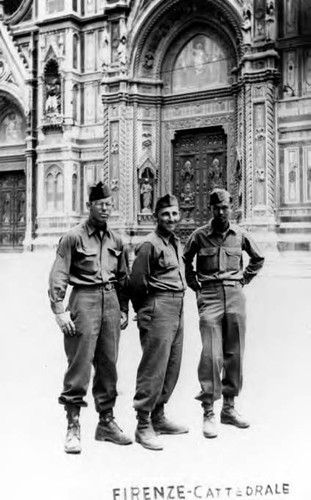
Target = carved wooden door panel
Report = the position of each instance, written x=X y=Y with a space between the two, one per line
x=12 y=209
x=200 y=159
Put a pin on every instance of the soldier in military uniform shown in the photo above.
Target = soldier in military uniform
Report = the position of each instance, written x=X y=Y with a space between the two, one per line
x=90 y=257
x=157 y=287
x=218 y=282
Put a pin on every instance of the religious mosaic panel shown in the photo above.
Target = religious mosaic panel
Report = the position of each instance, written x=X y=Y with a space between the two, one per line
x=201 y=63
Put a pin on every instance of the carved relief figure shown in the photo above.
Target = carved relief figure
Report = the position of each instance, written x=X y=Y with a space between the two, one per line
x=149 y=59
x=187 y=196
x=215 y=174
x=122 y=54
x=292 y=183
x=21 y=207
x=6 y=208
x=187 y=170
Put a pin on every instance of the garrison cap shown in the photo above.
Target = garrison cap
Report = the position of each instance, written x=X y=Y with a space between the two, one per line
x=220 y=196
x=99 y=191
x=168 y=200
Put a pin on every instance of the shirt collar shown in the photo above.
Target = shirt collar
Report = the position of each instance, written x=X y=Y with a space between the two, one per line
x=211 y=231
x=166 y=239
x=91 y=230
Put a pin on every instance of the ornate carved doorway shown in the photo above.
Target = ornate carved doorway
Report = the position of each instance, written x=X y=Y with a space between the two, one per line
x=200 y=160
x=12 y=209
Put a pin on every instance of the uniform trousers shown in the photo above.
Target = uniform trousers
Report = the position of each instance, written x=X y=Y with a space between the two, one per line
x=95 y=312
x=160 y=322
x=222 y=326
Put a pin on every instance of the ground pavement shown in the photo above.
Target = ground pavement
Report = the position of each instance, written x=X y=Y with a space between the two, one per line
x=270 y=460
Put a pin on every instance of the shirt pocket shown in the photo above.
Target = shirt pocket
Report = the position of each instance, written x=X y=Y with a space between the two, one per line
x=113 y=259
x=232 y=259
x=86 y=259
x=208 y=260
x=168 y=259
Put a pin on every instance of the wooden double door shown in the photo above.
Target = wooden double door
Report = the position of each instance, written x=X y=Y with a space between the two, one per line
x=200 y=165
x=12 y=209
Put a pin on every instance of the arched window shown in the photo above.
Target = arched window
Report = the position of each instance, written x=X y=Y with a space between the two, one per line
x=54 y=190
x=75 y=47
x=59 y=192
x=50 y=193
x=75 y=207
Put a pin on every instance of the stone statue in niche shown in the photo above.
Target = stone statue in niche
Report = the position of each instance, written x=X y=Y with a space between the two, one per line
x=53 y=95
x=122 y=54
x=247 y=24
x=215 y=174
x=146 y=192
x=270 y=21
x=105 y=48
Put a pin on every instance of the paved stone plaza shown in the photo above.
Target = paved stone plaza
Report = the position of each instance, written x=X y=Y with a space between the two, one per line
x=270 y=460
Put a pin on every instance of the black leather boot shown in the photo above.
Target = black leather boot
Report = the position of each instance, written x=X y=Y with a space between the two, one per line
x=73 y=439
x=145 y=434
x=230 y=416
x=209 y=423
x=108 y=430
x=163 y=425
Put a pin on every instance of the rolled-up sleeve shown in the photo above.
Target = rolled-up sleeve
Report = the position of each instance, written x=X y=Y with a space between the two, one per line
x=59 y=275
x=256 y=260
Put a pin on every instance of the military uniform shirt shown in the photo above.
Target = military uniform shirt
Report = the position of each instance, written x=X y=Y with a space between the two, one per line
x=83 y=258
x=158 y=267
x=219 y=256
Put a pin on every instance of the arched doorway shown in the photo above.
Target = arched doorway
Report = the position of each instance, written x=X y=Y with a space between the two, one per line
x=12 y=176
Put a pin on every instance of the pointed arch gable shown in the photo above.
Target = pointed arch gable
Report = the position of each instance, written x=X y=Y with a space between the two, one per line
x=161 y=21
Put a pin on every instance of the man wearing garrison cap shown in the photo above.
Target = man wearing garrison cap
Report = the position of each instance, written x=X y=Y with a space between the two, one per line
x=91 y=259
x=218 y=280
x=157 y=286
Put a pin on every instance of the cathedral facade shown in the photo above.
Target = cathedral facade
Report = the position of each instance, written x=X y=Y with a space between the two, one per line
x=155 y=96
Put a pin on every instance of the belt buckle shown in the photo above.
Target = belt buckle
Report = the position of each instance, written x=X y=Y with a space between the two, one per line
x=109 y=286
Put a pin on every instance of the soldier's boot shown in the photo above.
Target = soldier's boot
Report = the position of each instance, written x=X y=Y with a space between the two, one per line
x=230 y=416
x=72 y=440
x=163 y=425
x=145 y=434
x=209 y=422
x=108 y=430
